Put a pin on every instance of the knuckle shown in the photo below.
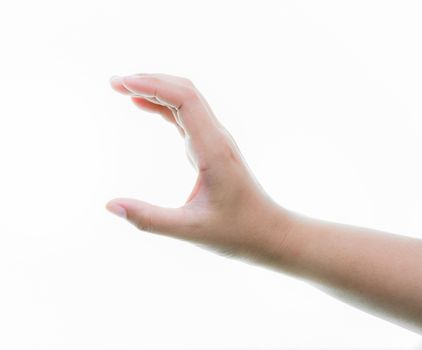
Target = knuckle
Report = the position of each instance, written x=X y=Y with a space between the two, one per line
x=190 y=94
x=187 y=82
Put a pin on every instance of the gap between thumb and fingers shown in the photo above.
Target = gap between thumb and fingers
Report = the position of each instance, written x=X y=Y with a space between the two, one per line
x=148 y=217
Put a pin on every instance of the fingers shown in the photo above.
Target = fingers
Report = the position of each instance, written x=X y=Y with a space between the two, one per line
x=151 y=218
x=193 y=113
x=165 y=112
x=153 y=107
x=206 y=139
x=147 y=103
x=116 y=84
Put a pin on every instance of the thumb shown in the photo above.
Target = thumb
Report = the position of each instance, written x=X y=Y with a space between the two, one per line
x=151 y=218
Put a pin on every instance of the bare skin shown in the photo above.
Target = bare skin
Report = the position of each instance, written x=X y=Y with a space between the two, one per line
x=229 y=212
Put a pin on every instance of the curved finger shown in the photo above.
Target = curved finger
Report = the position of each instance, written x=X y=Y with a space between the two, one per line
x=164 y=111
x=180 y=81
x=116 y=84
x=192 y=112
x=154 y=108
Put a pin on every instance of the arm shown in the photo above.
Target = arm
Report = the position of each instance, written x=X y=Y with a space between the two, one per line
x=376 y=271
x=229 y=212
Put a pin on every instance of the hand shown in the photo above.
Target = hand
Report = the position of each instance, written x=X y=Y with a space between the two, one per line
x=227 y=209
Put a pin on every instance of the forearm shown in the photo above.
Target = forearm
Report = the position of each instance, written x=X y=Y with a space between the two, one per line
x=376 y=271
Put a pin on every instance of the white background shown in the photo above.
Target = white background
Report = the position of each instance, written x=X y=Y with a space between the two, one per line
x=324 y=100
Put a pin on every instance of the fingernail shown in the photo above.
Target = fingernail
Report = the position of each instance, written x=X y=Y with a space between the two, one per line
x=117 y=210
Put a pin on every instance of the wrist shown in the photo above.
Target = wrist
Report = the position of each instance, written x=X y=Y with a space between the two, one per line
x=277 y=246
x=284 y=236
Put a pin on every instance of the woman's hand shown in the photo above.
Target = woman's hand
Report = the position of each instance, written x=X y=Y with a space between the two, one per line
x=230 y=212
x=227 y=209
